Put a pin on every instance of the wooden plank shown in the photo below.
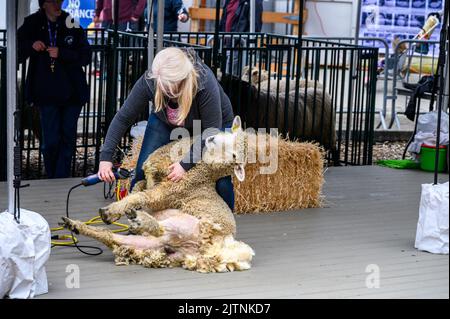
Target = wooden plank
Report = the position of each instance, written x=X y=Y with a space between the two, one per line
x=267 y=17
x=371 y=218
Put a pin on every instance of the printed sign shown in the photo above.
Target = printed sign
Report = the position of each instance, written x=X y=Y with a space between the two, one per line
x=81 y=10
x=403 y=19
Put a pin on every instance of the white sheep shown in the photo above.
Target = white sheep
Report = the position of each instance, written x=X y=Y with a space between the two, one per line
x=185 y=223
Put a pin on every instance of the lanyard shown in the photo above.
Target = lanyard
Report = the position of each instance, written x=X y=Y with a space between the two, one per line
x=52 y=35
x=52 y=38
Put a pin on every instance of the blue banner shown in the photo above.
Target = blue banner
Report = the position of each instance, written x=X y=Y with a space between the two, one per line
x=81 y=10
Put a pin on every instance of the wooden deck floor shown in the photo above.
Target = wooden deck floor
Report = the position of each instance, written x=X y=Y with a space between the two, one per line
x=370 y=219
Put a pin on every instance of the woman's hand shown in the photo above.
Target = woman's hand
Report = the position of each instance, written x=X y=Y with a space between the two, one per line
x=105 y=172
x=176 y=172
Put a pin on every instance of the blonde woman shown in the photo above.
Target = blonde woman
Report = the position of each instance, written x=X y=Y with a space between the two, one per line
x=182 y=89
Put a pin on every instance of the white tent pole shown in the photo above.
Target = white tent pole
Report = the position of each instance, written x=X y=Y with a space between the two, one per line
x=160 y=31
x=11 y=89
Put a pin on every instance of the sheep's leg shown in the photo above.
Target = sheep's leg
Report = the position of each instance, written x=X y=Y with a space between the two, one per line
x=116 y=210
x=140 y=242
x=155 y=199
x=162 y=196
x=111 y=239
x=142 y=223
x=139 y=186
x=103 y=235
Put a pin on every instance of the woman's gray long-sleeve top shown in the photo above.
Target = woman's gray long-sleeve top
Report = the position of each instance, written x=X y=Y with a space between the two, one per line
x=210 y=105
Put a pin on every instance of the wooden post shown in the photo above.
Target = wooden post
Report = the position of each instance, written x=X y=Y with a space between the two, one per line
x=195 y=22
x=296 y=11
x=202 y=22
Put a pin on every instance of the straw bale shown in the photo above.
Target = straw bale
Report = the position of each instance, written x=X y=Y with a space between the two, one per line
x=295 y=184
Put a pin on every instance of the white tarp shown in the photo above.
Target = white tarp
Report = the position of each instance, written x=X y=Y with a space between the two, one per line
x=24 y=250
x=432 y=227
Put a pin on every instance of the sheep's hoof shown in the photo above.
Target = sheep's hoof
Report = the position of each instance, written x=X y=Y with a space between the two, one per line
x=69 y=224
x=108 y=216
x=135 y=225
x=131 y=214
x=135 y=228
x=142 y=223
x=103 y=212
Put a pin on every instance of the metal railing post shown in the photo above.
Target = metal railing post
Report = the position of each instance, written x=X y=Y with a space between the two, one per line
x=216 y=38
x=151 y=34
x=11 y=98
x=160 y=26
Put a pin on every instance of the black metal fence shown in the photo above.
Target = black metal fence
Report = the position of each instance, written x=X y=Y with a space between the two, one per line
x=324 y=93
x=2 y=38
x=327 y=95
x=122 y=63
x=332 y=102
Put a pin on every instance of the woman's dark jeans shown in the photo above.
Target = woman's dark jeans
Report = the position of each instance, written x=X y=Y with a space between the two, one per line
x=156 y=135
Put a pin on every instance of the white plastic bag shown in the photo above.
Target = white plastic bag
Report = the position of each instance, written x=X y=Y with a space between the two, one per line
x=24 y=250
x=427 y=122
x=40 y=232
x=16 y=258
x=432 y=227
x=426 y=132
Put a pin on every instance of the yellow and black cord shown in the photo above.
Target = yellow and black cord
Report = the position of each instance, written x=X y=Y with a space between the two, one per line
x=71 y=240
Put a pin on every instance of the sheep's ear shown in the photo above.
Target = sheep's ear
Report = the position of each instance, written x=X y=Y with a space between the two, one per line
x=239 y=172
x=237 y=124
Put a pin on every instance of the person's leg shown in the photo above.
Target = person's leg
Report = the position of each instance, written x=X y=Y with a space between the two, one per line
x=156 y=135
x=133 y=26
x=106 y=24
x=51 y=125
x=123 y=26
x=224 y=188
x=70 y=115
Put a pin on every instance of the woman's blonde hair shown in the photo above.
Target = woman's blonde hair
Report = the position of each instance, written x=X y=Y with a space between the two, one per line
x=176 y=78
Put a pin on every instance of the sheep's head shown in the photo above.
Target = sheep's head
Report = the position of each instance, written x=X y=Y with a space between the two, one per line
x=228 y=149
x=255 y=78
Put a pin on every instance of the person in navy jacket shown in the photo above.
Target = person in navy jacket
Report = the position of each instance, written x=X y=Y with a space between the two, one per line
x=57 y=49
x=174 y=11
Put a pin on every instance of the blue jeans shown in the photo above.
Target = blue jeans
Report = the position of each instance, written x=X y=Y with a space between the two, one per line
x=123 y=26
x=59 y=135
x=156 y=135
